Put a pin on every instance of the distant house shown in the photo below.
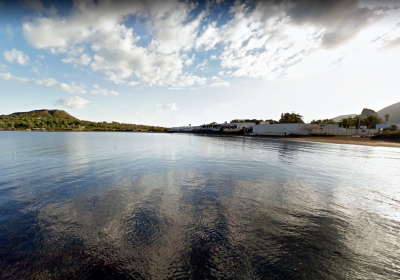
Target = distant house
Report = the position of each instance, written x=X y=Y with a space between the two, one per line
x=285 y=129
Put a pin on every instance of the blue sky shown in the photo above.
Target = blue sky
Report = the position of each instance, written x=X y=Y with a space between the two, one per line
x=173 y=63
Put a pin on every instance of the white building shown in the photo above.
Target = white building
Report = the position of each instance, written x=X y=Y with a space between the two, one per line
x=285 y=129
x=235 y=127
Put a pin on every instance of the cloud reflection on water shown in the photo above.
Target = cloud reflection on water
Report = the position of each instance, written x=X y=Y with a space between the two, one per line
x=188 y=224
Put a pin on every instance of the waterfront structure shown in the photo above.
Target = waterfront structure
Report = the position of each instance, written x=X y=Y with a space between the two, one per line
x=183 y=128
x=237 y=128
x=286 y=129
x=281 y=129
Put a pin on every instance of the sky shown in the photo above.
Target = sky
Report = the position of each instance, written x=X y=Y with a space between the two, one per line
x=174 y=63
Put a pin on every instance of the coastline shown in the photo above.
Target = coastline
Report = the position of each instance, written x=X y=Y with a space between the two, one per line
x=394 y=143
x=363 y=141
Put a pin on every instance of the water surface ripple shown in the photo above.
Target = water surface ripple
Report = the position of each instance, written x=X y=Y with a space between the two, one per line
x=181 y=206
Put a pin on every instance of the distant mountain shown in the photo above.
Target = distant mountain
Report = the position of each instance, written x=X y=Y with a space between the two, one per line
x=59 y=120
x=61 y=114
x=338 y=118
x=393 y=110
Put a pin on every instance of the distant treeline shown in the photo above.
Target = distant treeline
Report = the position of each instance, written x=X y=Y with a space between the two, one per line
x=370 y=121
x=65 y=122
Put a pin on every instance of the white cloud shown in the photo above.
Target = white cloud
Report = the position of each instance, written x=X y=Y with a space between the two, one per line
x=133 y=83
x=103 y=91
x=202 y=65
x=35 y=69
x=72 y=88
x=8 y=76
x=117 y=53
x=171 y=106
x=73 y=102
x=209 y=38
x=48 y=82
x=84 y=59
x=217 y=82
x=189 y=61
x=261 y=39
x=15 y=55
x=3 y=67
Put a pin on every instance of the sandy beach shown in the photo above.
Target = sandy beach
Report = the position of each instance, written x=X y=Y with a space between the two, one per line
x=349 y=140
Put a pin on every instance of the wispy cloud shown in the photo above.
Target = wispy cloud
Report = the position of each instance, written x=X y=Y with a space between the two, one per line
x=103 y=91
x=171 y=106
x=15 y=55
x=73 y=102
x=72 y=88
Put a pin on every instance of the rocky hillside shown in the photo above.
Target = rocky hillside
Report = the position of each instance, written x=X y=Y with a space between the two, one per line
x=393 y=110
x=60 y=114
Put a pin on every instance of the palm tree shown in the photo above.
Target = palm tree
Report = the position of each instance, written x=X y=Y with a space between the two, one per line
x=371 y=120
x=344 y=122
x=387 y=117
x=356 y=121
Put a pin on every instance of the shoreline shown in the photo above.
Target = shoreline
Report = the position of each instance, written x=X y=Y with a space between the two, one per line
x=347 y=140
x=363 y=141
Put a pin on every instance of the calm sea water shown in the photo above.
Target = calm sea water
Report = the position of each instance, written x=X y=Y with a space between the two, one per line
x=180 y=206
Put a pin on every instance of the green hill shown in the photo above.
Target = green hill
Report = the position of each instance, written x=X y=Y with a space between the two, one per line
x=61 y=114
x=59 y=120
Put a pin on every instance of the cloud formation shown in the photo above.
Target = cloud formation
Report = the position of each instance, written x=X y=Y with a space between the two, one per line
x=15 y=55
x=103 y=91
x=84 y=60
x=72 y=88
x=73 y=102
x=8 y=76
x=258 y=39
x=171 y=106
x=3 y=67
x=48 y=82
x=117 y=52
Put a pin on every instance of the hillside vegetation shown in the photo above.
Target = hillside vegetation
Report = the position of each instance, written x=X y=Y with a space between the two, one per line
x=59 y=120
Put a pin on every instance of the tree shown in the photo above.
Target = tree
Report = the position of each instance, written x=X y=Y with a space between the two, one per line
x=344 y=122
x=387 y=117
x=372 y=120
x=325 y=121
x=291 y=118
x=356 y=121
